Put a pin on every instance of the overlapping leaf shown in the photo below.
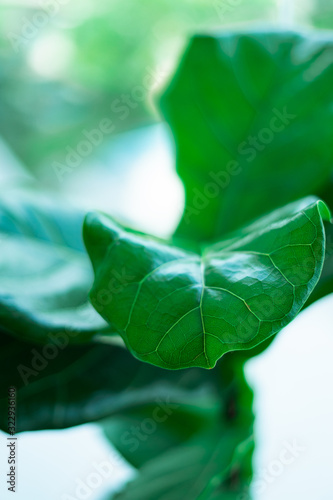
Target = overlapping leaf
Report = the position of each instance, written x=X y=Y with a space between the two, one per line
x=180 y=309
x=252 y=114
x=199 y=469
x=61 y=385
x=149 y=430
x=143 y=433
x=325 y=283
x=214 y=462
x=45 y=274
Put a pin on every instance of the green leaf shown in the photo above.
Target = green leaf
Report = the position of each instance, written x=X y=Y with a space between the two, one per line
x=61 y=385
x=252 y=114
x=45 y=274
x=143 y=433
x=179 y=309
x=195 y=470
x=215 y=462
x=325 y=283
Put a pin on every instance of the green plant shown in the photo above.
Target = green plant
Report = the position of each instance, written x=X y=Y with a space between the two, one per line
x=251 y=114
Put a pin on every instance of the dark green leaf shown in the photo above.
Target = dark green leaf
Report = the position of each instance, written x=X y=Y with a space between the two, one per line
x=196 y=470
x=213 y=463
x=45 y=274
x=252 y=114
x=59 y=385
x=143 y=433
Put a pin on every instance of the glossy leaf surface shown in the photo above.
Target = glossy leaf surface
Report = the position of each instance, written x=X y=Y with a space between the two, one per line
x=252 y=114
x=45 y=274
x=179 y=309
x=60 y=385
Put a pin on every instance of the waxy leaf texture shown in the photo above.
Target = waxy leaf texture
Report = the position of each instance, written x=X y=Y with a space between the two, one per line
x=178 y=309
x=251 y=113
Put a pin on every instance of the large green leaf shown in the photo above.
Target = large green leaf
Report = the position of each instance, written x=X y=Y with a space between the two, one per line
x=143 y=433
x=45 y=274
x=252 y=115
x=200 y=469
x=214 y=462
x=60 y=385
x=180 y=309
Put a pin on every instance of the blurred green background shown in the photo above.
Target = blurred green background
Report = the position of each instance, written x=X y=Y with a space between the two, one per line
x=67 y=64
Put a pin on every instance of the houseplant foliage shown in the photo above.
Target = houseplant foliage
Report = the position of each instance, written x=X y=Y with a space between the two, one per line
x=251 y=114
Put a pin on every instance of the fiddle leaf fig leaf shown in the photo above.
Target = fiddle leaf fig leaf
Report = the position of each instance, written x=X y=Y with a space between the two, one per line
x=180 y=309
x=228 y=406
x=251 y=113
x=61 y=385
x=215 y=463
x=325 y=283
x=199 y=451
x=45 y=273
x=183 y=422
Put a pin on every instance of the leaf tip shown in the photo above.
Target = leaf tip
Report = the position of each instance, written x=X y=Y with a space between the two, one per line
x=97 y=235
x=324 y=211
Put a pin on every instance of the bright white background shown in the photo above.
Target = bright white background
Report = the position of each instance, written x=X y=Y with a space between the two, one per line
x=292 y=379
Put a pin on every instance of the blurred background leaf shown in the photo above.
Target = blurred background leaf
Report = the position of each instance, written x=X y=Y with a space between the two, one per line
x=67 y=386
x=62 y=67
